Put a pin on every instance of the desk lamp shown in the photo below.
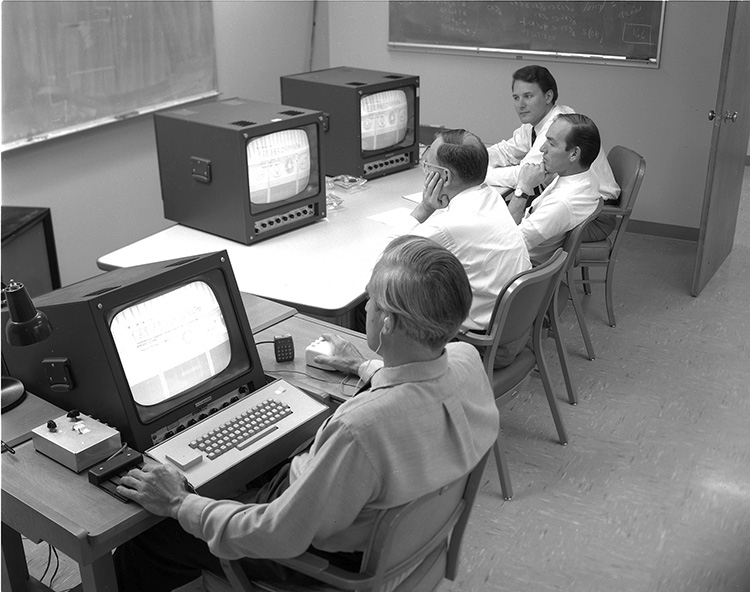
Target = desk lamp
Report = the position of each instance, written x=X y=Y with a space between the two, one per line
x=25 y=326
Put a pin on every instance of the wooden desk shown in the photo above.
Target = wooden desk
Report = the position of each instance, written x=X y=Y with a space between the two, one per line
x=43 y=500
x=321 y=269
x=304 y=330
x=262 y=313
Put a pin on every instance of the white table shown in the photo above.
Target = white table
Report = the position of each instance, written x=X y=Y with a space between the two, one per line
x=321 y=269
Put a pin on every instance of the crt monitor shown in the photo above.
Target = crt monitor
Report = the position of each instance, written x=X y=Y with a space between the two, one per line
x=241 y=169
x=149 y=349
x=372 y=117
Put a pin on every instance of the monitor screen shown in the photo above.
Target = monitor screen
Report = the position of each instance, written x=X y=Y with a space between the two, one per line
x=384 y=119
x=171 y=343
x=278 y=166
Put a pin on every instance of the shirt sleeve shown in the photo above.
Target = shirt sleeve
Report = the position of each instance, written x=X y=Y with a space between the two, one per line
x=336 y=480
x=368 y=368
x=545 y=222
x=507 y=157
x=404 y=224
x=608 y=187
x=511 y=151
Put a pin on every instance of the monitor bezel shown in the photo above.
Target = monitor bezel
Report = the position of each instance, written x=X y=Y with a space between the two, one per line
x=237 y=367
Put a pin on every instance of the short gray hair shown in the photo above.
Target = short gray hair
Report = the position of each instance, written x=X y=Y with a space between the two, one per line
x=423 y=288
x=464 y=153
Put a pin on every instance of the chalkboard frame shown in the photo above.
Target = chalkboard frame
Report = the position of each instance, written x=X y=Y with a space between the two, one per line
x=536 y=55
x=70 y=66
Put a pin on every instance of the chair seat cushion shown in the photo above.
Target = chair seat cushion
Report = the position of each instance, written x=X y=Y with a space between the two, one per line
x=506 y=378
x=597 y=251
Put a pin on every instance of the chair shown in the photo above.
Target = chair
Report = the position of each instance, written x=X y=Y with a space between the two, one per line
x=629 y=168
x=572 y=246
x=521 y=307
x=412 y=548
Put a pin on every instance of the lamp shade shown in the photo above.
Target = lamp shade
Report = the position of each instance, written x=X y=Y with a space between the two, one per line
x=26 y=325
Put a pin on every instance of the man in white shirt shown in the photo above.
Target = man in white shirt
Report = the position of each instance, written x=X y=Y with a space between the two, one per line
x=571 y=146
x=535 y=96
x=470 y=219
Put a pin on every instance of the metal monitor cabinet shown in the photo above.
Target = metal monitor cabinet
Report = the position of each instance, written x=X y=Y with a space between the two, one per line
x=355 y=102
x=206 y=168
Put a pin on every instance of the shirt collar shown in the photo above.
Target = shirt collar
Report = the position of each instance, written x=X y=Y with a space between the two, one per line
x=465 y=192
x=572 y=178
x=554 y=112
x=390 y=376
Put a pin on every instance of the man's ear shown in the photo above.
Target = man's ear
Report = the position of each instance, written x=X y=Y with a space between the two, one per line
x=549 y=96
x=575 y=154
x=386 y=325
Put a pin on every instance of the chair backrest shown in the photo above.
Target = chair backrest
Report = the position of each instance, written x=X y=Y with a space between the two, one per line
x=628 y=167
x=416 y=545
x=523 y=299
x=575 y=236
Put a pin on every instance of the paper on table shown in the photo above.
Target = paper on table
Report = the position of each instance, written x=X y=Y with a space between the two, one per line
x=393 y=218
x=415 y=197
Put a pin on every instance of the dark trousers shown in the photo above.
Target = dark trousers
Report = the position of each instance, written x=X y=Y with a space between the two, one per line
x=166 y=557
x=599 y=228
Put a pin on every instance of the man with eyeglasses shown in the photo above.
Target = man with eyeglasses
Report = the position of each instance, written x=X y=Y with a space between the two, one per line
x=469 y=218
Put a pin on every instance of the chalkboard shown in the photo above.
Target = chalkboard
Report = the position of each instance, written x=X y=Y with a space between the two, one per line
x=69 y=66
x=612 y=31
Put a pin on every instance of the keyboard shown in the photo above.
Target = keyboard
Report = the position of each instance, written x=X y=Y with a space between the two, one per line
x=269 y=424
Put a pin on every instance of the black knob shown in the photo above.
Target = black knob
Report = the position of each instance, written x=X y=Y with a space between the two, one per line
x=51 y=425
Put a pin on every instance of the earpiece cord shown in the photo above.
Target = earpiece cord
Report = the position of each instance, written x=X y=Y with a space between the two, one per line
x=369 y=362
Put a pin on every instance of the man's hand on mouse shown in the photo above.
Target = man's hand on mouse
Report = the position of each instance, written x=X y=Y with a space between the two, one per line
x=346 y=357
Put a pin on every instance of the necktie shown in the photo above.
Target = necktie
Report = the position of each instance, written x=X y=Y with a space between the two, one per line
x=538 y=189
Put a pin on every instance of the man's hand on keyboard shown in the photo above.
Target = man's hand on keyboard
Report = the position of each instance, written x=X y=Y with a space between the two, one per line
x=160 y=489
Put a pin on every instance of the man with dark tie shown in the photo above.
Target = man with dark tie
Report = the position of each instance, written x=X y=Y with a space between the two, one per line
x=534 y=92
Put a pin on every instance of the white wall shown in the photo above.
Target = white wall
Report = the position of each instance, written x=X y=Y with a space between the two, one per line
x=102 y=185
x=660 y=113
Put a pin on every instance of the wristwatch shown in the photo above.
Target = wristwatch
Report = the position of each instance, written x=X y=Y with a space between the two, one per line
x=519 y=192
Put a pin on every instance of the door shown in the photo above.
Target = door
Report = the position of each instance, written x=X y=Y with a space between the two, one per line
x=726 y=163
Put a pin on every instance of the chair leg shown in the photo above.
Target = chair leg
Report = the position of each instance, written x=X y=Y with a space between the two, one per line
x=237 y=577
x=579 y=315
x=544 y=373
x=554 y=328
x=502 y=468
x=562 y=354
x=586 y=280
x=608 y=293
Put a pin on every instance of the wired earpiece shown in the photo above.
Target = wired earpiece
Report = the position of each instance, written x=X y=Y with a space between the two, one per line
x=377 y=349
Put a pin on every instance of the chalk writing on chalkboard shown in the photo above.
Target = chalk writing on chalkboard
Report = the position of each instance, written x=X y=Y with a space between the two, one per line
x=72 y=65
x=617 y=31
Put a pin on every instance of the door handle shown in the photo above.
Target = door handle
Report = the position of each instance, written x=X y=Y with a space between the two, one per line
x=711 y=115
x=730 y=116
